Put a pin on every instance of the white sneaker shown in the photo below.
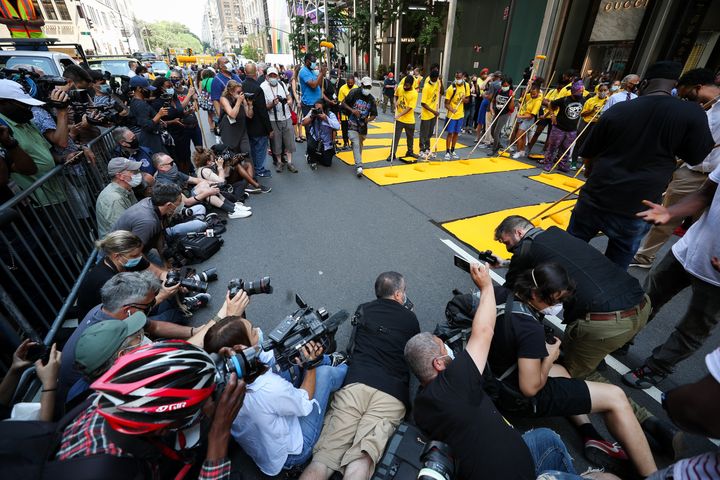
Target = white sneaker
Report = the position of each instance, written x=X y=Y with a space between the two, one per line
x=242 y=206
x=511 y=149
x=447 y=156
x=240 y=214
x=358 y=171
x=519 y=154
x=455 y=156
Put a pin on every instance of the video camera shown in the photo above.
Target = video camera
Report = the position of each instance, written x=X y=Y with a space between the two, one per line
x=437 y=462
x=305 y=325
x=244 y=364
x=261 y=285
x=80 y=101
x=190 y=279
x=105 y=114
x=36 y=85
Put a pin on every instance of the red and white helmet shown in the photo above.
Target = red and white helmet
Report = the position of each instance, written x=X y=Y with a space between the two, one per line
x=156 y=386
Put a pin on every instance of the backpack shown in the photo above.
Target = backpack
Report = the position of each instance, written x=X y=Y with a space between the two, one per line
x=181 y=250
x=28 y=448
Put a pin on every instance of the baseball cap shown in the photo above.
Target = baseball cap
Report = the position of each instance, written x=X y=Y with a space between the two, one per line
x=140 y=81
x=271 y=70
x=10 y=90
x=120 y=164
x=366 y=82
x=391 y=75
x=99 y=342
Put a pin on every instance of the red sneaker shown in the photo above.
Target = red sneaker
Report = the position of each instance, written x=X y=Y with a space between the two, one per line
x=610 y=455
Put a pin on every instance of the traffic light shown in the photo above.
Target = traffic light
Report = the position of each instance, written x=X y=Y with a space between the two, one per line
x=189 y=52
x=90 y=22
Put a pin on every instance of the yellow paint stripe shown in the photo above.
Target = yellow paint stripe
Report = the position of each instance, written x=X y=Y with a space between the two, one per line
x=433 y=170
x=479 y=231
x=387 y=142
x=558 y=180
x=380 y=127
x=371 y=155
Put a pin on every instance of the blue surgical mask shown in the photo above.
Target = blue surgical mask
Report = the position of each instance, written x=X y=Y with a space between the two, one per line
x=170 y=91
x=132 y=262
x=313 y=65
x=450 y=352
x=553 y=309
x=105 y=89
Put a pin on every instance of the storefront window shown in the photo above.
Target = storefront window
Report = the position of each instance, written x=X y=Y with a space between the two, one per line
x=62 y=10
x=49 y=9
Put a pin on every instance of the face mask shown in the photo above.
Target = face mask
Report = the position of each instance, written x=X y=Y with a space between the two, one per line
x=20 y=115
x=145 y=341
x=366 y=91
x=505 y=89
x=333 y=81
x=631 y=87
x=450 y=352
x=553 y=309
x=313 y=65
x=602 y=94
x=134 y=145
x=146 y=93
x=614 y=88
x=135 y=180
x=273 y=81
x=105 y=89
x=169 y=91
x=132 y=262
x=459 y=81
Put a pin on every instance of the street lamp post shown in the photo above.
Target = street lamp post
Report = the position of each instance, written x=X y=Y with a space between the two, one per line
x=372 y=38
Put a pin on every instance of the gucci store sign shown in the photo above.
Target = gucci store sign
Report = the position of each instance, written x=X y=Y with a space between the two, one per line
x=618 y=20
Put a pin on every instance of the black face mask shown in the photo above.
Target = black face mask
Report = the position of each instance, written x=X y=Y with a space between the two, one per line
x=146 y=93
x=20 y=114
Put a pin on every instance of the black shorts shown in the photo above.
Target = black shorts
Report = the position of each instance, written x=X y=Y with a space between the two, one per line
x=562 y=397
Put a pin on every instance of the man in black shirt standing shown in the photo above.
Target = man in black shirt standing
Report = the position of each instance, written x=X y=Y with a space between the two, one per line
x=259 y=127
x=372 y=403
x=565 y=124
x=630 y=156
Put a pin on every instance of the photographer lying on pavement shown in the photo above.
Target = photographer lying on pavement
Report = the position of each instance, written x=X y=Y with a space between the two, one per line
x=523 y=355
x=123 y=295
x=279 y=424
x=453 y=407
x=203 y=191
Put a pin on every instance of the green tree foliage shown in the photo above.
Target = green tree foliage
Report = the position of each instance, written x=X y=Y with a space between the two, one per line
x=164 y=35
x=251 y=53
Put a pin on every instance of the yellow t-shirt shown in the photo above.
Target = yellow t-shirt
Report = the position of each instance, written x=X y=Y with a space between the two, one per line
x=531 y=105
x=342 y=93
x=417 y=82
x=553 y=94
x=430 y=93
x=591 y=107
x=456 y=100
x=406 y=99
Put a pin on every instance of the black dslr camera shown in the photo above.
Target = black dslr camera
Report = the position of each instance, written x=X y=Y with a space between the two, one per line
x=80 y=102
x=198 y=282
x=244 y=364
x=280 y=99
x=299 y=329
x=437 y=462
x=261 y=285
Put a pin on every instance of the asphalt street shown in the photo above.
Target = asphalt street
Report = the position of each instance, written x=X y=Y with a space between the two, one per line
x=327 y=234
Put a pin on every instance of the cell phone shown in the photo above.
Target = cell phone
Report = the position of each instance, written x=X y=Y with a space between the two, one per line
x=38 y=351
x=462 y=264
x=488 y=257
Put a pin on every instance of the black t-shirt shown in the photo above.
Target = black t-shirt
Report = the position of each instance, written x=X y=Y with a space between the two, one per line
x=454 y=409
x=378 y=359
x=259 y=125
x=600 y=285
x=89 y=294
x=389 y=85
x=569 y=112
x=633 y=149
x=524 y=338
x=356 y=100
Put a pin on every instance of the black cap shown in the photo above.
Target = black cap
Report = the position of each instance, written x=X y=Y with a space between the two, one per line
x=664 y=69
x=309 y=57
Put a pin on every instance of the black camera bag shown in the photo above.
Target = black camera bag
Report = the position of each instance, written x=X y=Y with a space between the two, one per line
x=401 y=459
x=199 y=249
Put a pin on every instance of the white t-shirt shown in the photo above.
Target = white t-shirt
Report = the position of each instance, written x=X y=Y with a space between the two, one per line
x=280 y=90
x=713 y=158
x=702 y=241
x=618 y=97
x=267 y=426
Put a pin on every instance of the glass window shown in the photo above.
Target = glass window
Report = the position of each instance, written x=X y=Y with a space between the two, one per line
x=43 y=63
x=49 y=9
x=62 y=10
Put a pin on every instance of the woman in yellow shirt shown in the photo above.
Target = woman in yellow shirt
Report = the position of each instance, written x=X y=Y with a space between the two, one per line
x=526 y=117
x=342 y=93
x=589 y=116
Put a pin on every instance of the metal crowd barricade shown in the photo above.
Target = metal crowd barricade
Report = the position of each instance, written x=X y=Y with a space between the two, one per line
x=47 y=246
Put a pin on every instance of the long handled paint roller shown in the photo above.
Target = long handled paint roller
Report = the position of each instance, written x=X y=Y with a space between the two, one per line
x=527 y=90
x=505 y=153
x=390 y=172
x=574 y=142
x=489 y=129
x=552 y=205
x=328 y=45
x=437 y=120
x=554 y=218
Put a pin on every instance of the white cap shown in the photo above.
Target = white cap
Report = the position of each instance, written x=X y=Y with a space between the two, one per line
x=366 y=82
x=271 y=70
x=13 y=91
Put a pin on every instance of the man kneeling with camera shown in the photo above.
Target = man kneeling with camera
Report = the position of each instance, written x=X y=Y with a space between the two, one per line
x=279 y=424
x=321 y=125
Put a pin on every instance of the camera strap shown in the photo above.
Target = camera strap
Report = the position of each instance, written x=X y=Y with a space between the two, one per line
x=358 y=319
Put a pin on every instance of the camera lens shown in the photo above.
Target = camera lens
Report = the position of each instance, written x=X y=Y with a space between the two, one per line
x=209 y=275
x=261 y=285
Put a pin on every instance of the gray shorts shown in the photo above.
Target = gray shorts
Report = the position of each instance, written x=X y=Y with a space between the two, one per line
x=283 y=139
x=526 y=123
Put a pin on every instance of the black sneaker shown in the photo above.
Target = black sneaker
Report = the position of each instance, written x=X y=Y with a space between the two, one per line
x=407 y=160
x=643 y=377
x=662 y=435
x=390 y=159
x=411 y=155
x=264 y=189
x=196 y=302
x=337 y=358
x=253 y=190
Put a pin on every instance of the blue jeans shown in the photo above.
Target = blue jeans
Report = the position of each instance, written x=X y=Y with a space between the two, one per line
x=167 y=311
x=258 y=152
x=328 y=379
x=549 y=452
x=624 y=233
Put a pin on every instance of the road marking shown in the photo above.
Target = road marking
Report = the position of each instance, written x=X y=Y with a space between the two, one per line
x=612 y=362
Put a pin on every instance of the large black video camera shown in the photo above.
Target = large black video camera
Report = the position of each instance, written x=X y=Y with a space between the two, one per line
x=36 y=85
x=244 y=364
x=107 y=114
x=302 y=327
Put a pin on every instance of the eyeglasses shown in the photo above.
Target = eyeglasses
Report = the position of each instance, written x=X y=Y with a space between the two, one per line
x=143 y=307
